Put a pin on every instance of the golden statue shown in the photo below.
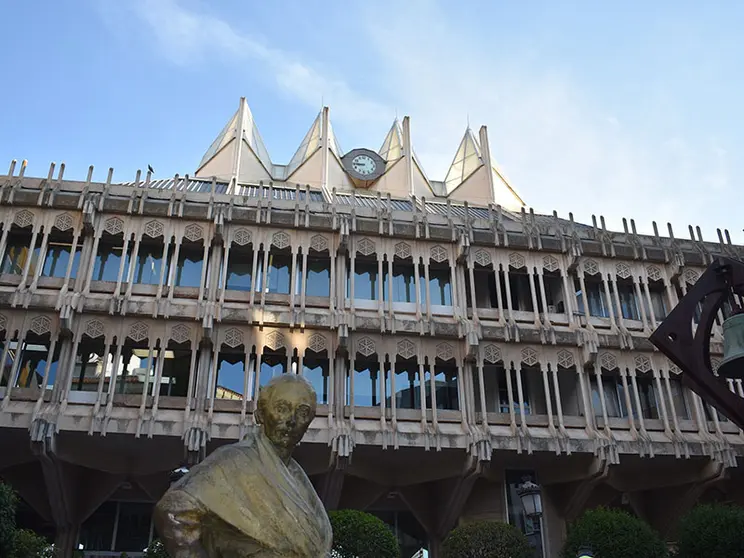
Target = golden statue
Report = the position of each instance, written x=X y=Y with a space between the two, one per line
x=251 y=499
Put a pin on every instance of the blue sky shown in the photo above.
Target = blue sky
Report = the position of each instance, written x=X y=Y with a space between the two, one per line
x=624 y=110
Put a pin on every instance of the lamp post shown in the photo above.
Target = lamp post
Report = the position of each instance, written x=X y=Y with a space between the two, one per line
x=585 y=552
x=531 y=497
x=720 y=287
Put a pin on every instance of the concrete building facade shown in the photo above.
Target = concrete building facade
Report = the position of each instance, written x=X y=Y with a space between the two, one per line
x=458 y=341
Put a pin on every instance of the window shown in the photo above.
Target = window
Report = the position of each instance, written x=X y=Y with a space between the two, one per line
x=440 y=287
x=239 y=269
x=230 y=381
x=108 y=261
x=614 y=395
x=657 y=302
x=189 y=265
x=58 y=258
x=485 y=288
x=503 y=388
x=445 y=384
x=365 y=279
x=366 y=384
x=521 y=295
x=149 y=263
x=318 y=277
x=315 y=368
x=407 y=385
x=648 y=396
x=278 y=277
x=553 y=293
x=628 y=301
x=404 y=284
x=678 y=399
x=17 y=254
x=273 y=363
x=597 y=300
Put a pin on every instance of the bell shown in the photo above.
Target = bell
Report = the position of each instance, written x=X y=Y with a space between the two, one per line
x=732 y=365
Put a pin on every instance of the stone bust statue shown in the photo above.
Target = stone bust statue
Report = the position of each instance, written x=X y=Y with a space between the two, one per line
x=251 y=499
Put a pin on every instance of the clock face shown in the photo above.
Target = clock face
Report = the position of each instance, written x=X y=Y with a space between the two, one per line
x=364 y=165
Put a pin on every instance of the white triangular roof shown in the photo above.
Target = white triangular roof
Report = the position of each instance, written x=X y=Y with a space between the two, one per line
x=249 y=134
x=467 y=160
x=392 y=146
x=312 y=142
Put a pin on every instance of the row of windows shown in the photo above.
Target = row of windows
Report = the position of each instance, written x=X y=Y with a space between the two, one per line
x=367 y=384
x=370 y=280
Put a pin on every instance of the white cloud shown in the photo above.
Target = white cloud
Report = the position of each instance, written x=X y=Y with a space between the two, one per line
x=557 y=144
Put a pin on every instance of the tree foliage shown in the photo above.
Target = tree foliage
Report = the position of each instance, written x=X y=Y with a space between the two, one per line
x=357 y=534
x=8 y=503
x=156 y=550
x=486 y=539
x=613 y=534
x=711 y=530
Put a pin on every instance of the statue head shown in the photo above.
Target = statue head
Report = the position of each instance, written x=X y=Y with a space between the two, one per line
x=285 y=408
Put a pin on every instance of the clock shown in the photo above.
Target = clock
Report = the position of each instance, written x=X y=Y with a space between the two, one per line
x=364 y=166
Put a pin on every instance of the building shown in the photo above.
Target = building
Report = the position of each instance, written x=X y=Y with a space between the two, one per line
x=457 y=340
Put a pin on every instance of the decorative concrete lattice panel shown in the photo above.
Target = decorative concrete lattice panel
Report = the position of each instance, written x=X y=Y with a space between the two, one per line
x=193 y=232
x=516 y=260
x=63 y=222
x=438 y=253
x=113 y=225
x=281 y=240
x=622 y=270
x=654 y=273
x=275 y=340
x=565 y=358
x=492 y=354
x=642 y=363
x=242 y=237
x=691 y=276
x=445 y=351
x=233 y=337
x=366 y=346
x=94 y=329
x=715 y=363
x=482 y=257
x=319 y=243
x=591 y=267
x=41 y=325
x=529 y=356
x=181 y=333
x=138 y=332
x=674 y=369
x=154 y=229
x=365 y=247
x=608 y=361
x=317 y=343
x=550 y=263
x=3 y=323
x=24 y=218
x=403 y=250
x=406 y=348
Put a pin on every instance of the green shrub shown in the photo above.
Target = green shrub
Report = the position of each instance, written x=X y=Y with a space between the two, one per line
x=156 y=550
x=486 y=539
x=27 y=544
x=8 y=503
x=357 y=534
x=711 y=530
x=613 y=534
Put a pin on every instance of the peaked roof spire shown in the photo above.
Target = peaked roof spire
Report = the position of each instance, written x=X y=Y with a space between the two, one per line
x=392 y=146
x=249 y=133
x=467 y=160
x=312 y=142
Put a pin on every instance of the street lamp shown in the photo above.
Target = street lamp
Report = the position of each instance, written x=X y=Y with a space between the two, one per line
x=720 y=287
x=529 y=493
x=585 y=552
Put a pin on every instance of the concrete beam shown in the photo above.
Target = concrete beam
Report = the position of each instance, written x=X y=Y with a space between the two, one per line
x=333 y=483
x=454 y=501
x=360 y=494
x=576 y=495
